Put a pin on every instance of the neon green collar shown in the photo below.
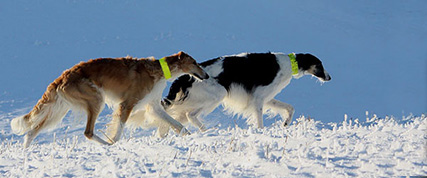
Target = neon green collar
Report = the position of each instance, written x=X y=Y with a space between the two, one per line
x=165 y=68
x=294 y=63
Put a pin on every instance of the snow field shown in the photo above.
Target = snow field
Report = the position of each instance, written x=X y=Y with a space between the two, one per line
x=378 y=147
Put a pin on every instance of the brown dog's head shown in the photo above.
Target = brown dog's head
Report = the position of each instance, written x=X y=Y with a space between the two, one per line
x=186 y=64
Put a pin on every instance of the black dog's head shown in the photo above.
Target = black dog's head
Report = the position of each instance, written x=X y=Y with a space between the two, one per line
x=309 y=64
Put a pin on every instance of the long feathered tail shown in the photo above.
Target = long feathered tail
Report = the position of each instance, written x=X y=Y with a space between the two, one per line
x=20 y=125
x=48 y=111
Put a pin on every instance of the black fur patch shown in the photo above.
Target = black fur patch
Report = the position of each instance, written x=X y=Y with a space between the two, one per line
x=254 y=69
x=209 y=62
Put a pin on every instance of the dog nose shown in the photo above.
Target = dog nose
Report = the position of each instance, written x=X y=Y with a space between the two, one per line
x=206 y=76
x=328 y=77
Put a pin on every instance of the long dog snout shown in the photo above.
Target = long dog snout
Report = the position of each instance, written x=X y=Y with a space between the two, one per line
x=191 y=67
x=201 y=75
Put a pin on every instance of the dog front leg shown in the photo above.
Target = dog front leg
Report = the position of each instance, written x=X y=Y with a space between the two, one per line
x=163 y=130
x=119 y=120
x=157 y=111
x=277 y=106
x=193 y=117
x=258 y=116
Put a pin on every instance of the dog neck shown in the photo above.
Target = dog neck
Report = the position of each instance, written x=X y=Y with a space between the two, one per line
x=172 y=71
x=165 y=68
x=294 y=63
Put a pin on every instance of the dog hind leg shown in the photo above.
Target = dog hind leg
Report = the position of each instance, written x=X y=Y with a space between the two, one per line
x=51 y=113
x=256 y=113
x=29 y=137
x=85 y=95
x=258 y=116
x=93 y=113
x=51 y=120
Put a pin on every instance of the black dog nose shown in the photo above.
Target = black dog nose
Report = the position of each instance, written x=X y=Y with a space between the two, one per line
x=327 y=77
x=207 y=76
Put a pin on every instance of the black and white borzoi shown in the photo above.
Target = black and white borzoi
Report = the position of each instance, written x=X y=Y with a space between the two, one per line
x=245 y=84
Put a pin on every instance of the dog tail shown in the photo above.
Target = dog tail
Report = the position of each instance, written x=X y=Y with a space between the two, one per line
x=20 y=125
x=48 y=111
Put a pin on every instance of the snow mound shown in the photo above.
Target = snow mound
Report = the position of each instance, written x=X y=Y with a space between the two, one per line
x=308 y=148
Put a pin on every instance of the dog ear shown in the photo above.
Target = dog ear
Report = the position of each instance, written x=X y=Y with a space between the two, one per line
x=181 y=55
x=306 y=60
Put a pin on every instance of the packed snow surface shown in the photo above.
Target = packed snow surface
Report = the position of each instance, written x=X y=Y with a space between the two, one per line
x=386 y=147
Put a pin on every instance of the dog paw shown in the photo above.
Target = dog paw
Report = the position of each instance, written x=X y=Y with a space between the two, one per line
x=287 y=122
x=203 y=129
x=184 y=132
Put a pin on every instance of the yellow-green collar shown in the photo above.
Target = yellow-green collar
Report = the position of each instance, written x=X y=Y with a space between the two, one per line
x=165 y=68
x=294 y=63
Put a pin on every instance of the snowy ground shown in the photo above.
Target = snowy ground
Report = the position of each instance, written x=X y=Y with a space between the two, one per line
x=384 y=147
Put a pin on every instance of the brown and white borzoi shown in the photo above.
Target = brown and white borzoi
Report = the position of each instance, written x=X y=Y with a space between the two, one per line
x=126 y=84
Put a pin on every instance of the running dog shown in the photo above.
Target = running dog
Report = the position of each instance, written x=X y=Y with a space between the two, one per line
x=245 y=84
x=125 y=84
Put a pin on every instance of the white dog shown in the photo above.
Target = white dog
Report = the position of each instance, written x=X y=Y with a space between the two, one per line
x=245 y=84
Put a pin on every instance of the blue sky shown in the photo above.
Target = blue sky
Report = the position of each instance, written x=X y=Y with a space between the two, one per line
x=375 y=52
